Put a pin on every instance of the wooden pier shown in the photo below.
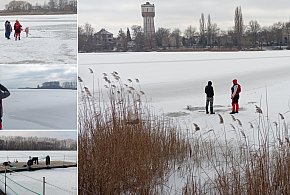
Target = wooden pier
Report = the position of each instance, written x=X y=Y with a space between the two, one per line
x=22 y=166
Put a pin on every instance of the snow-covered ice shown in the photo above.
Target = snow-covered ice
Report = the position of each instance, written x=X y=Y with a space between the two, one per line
x=52 y=40
x=34 y=109
x=59 y=181
x=173 y=81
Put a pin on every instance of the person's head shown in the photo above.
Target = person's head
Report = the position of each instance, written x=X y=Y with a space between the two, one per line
x=209 y=83
x=235 y=81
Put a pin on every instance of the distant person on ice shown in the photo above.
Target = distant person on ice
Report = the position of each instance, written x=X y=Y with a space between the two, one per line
x=235 y=95
x=4 y=93
x=8 y=29
x=47 y=160
x=26 y=30
x=17 y=29
x=209 y=97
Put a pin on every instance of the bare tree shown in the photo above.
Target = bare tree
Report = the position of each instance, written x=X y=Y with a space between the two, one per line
x=122 y=46
x=277 y=33
x=162 y=35
x=239 y=26
x=202 y=31
x=209 y=31
x=86 y=40
x=18 y=6
x=52 y=5
x=189 y=34
x=287 y=27
x=254 y=29
x=138 y=37
x=176 y=35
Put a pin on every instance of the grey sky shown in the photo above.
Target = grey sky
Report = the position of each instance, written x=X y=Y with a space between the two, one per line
x=15 y=76
x=50 y=134
x=113 y=15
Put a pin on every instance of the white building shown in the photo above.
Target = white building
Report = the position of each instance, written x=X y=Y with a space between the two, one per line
x=148 y=14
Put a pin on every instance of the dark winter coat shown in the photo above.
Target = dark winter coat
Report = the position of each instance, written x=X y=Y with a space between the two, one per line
x=4 y=93
x=209 y=90
x=236 y=88
x=8 y=29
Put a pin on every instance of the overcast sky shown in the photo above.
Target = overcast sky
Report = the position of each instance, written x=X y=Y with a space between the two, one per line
x=113 y=14
x=51 y=134
x=16 y=76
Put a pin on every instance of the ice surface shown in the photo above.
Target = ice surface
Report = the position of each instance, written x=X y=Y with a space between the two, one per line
x=35 y=109
x=52 y=40
x=174 y=80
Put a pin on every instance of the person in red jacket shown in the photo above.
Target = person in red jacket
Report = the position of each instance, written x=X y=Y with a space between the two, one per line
x=235 y=95
x=17 y=29
x=4 y=93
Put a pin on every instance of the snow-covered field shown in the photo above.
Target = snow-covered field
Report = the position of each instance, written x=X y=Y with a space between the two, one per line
x=59 y=181
x=52 y=40
x=173 y=81
x=34 y=109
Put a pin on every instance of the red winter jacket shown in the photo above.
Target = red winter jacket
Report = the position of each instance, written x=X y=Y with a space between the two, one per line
x=17 y=27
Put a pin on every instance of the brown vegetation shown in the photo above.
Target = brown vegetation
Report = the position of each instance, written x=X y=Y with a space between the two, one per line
x=123 y=146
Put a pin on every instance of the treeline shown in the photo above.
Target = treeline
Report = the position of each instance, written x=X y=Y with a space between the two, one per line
x=36 y=143
x=207 y=36
x=58 y=85
x=52 y=6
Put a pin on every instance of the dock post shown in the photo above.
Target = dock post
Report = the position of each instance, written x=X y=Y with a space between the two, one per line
x=63 y=160
x=43 y=190
x=5 y=181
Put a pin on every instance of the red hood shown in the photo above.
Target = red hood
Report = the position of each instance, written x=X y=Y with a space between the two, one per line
x=235 y=81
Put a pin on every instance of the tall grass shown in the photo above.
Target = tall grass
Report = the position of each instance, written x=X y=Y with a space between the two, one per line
x=244 y=167
x=124 y=147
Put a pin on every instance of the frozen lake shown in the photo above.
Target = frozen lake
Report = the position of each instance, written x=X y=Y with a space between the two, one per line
x=59 y=181
x=172 y=81
x=52 y=40
x=34 y=109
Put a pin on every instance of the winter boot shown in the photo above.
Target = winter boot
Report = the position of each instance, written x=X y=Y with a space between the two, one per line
x=211 y=110
x=233 y=108
x=237 y=108
x=206 y=110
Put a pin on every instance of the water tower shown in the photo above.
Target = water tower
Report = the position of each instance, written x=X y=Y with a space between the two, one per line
x=148 y=13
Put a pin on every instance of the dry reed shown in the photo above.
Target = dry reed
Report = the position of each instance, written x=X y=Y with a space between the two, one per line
x=124 y=148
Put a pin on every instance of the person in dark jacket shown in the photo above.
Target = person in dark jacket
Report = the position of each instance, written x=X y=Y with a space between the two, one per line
x=209 y=97
x=4 y=93
x=8 y=29
x=235 y=95
x=47 y=160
